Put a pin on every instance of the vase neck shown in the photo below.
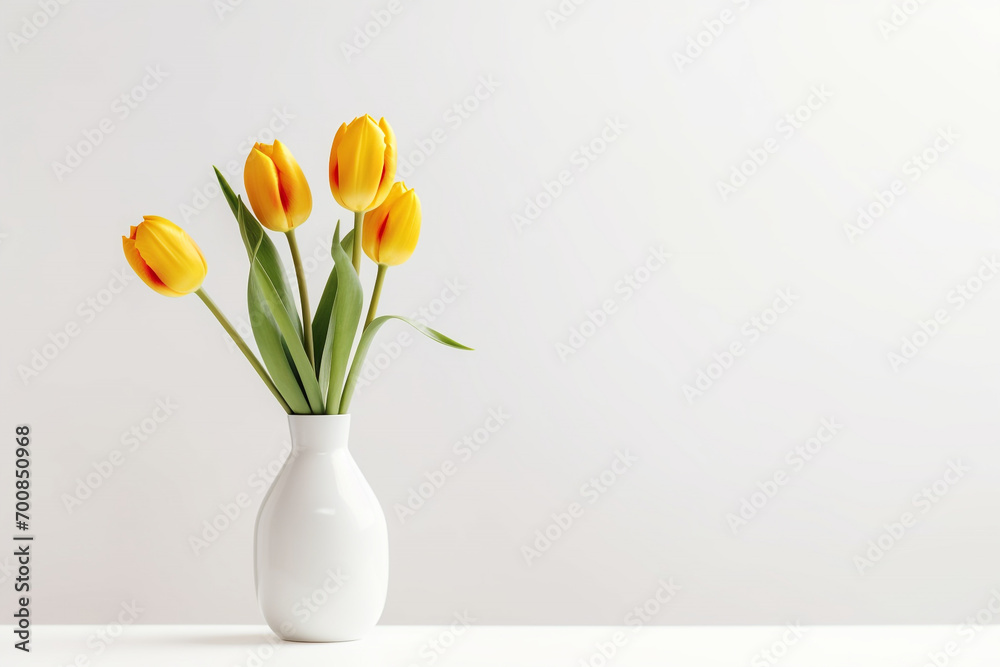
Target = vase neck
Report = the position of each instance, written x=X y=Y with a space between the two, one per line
x=319 y=434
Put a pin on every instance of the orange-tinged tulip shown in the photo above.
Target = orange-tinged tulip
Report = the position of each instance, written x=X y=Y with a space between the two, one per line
x=362 y=163
x=390 y=232
x=164 y=256
x=276 y=187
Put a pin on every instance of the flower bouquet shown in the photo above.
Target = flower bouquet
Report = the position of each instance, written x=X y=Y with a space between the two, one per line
x=321 y=547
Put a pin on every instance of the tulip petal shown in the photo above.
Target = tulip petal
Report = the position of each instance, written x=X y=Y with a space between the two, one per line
x=294 y=189
x=266 y=149
x=360 y=160
x=334 y=164
x=375 y=221
x=260 y=177
x=401 y=231
x=388 y=163
x=170 y=254
x=372 y=231
x=142 y=269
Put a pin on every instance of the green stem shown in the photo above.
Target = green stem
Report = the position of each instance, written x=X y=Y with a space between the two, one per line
x=300 y=276
x=376 y=293
x=358 y=220
x=242 y=344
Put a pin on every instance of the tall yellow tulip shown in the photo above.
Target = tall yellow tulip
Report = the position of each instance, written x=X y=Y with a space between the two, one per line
x=362 y=163
x=362 y=169
x=389 y=235
x=276 y=187
x=164 y=256
x=281 y=200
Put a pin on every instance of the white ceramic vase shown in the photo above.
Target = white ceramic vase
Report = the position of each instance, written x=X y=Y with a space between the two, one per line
x=321 y=553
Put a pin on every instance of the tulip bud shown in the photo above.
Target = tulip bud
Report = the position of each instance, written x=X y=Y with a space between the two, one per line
x=164 y=256
x=276 y=187
x=390 y=231
x=362 y=163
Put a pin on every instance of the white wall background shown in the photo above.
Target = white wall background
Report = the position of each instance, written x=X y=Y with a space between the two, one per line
x=522 y=290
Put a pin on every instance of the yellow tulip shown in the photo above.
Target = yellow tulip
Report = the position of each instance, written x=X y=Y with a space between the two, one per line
x=164 y=256
x=390 y=232
x=276 y=187
x=362 y=163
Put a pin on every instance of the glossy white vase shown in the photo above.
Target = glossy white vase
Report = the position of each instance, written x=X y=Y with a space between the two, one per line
x=321 y=554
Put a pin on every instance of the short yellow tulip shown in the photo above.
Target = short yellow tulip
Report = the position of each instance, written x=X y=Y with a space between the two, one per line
x=362 y=163
x=164 y=256
x=276 y=187
x=390 y=232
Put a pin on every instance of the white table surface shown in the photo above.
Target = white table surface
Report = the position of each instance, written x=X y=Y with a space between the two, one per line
x=510 y=646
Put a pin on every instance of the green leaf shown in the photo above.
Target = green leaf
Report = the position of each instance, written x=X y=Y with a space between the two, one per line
x=292 y=342
x=366 y=342
x=321 y=322
x=258 y=242
x=272 y=349
x=344 y=318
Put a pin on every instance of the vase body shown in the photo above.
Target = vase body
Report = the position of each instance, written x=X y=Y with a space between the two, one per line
x=321 y=549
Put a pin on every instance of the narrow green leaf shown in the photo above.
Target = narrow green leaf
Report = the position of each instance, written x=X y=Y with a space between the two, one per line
x=272 y=349
x=292 y=341
x=256 y=241
x=324 y=310
x=344 y=319
x=366 y=341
